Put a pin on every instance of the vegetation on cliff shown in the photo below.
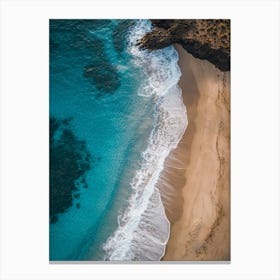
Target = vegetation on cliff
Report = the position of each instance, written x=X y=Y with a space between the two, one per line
x=205 y=39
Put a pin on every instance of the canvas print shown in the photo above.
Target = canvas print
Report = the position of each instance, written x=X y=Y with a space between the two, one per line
x=139 y=140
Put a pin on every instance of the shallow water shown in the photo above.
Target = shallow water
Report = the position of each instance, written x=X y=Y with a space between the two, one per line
x=125 y=106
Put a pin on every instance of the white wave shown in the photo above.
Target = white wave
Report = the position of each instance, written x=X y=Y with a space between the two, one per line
x=143 y=229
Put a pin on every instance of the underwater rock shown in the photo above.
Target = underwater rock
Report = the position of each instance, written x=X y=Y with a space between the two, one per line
x=69 y=162
x=101 y=72
x=120 y=33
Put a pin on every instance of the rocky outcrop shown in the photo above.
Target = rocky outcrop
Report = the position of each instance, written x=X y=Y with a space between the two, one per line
x=204 y=39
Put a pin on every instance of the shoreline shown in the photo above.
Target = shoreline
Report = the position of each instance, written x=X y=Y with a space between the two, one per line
x=195 y=182
x=143 y=227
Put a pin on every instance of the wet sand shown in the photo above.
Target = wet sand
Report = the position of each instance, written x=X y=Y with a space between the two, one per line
x=195 y=183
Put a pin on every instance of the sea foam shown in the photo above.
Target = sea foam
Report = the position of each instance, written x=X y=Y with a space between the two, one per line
x=143 y=229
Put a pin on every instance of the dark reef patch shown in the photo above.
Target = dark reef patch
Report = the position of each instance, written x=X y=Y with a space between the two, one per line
x=69 y=163
x=103 y=75
x=79 y=37
x=76 y=195
x=53 y=45
x=101 y=72
x=120 y=33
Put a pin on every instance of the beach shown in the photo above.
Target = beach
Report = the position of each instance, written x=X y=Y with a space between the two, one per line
x=195 y=182
x=164 y=115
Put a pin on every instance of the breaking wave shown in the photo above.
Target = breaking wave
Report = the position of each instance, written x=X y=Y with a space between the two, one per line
x=143 y=228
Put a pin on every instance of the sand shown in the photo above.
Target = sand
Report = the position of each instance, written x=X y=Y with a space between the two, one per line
x=195 y=183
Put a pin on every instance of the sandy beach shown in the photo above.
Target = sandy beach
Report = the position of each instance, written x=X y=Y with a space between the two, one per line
x=195 y=183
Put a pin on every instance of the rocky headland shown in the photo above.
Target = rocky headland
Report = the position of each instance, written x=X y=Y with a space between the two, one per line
x=195 y=182
x=204 y=39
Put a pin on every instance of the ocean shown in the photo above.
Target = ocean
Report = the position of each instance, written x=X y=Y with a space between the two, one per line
x=115 y=114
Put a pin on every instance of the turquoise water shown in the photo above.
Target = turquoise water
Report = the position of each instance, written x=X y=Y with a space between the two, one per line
x=122 y=112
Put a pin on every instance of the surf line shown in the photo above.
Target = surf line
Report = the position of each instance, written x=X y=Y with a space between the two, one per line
x=143 y=229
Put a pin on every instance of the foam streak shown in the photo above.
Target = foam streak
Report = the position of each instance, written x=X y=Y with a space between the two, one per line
x=143 y=229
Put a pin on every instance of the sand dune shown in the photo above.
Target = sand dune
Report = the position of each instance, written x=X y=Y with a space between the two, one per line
x=195 y=184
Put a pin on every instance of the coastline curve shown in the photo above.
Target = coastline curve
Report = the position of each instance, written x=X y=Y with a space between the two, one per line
x=143 y=228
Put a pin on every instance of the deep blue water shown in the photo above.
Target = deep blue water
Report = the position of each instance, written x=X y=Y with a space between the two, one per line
x=107 y=119
x=112 y=108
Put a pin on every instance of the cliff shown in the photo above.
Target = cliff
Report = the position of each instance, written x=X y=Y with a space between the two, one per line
x=204 y=39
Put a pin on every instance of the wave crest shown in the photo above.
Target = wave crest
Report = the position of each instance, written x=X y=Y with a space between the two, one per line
x=143 y=229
